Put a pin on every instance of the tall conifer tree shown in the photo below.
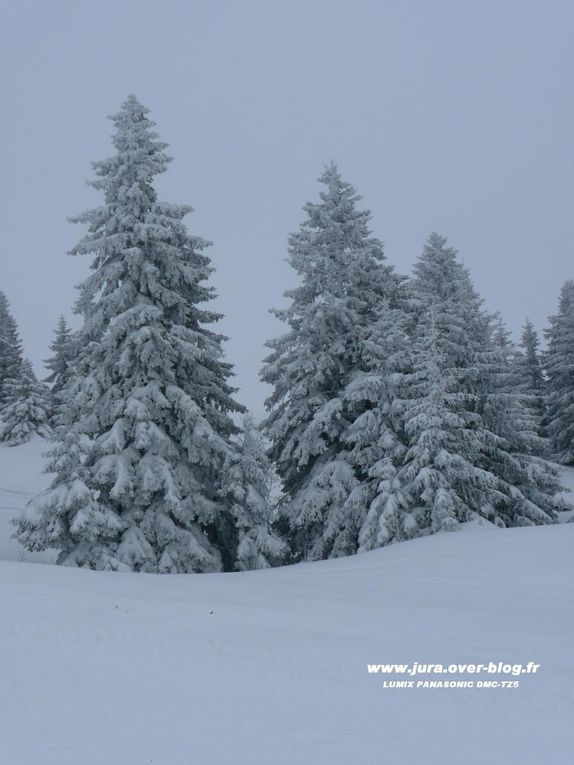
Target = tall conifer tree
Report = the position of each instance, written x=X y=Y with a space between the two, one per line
x=471 y=450
x=559 y=366
x=343 y=281
x=530 y=362
x=27 y=408
x=249 y=483
x=152 y=389
x=10 y=347
x=59 y=364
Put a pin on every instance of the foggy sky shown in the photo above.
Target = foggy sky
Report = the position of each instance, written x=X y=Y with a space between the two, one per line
x=449 y=116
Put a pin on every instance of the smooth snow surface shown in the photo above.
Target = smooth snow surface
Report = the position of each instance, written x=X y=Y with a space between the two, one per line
x=269 y=667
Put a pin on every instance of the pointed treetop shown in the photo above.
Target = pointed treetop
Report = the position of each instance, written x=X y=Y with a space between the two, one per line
x=440 y=275
x=501 y=335
x=6 y=317
x=529 y=335
x=436 y=247
x=134 y=129
x=331 y=174
x=126 y=179
x=530 y=374
x=134 y=105
x=62 y=325
x=9 y=339
x=337 y=188
x=10 y=346
x=335 y=224
x=140 y=153
x=59 y=364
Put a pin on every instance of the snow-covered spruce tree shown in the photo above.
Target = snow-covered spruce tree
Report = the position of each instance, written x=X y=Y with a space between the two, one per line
x=466 y=430
x=68 y=516
x=513 y=375
x=10 y=347
x=559 y=367
x=519 y=458
x=45 y=522
x=530 y=363
x=59 y=364
x=27 y=407
x=510 y=449
x=343 y=281
x=529 y=374
x=154 y=393
x=249 y=480
x=377 y=435
x=441 y=482
x=502 y=338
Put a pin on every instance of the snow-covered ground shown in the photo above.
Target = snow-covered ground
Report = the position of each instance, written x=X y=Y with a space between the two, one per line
x=270 y=667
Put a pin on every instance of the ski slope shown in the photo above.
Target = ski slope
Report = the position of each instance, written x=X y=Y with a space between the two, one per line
x=270 y=667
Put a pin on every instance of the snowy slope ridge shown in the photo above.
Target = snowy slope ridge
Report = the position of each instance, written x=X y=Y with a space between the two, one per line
x=270 y=666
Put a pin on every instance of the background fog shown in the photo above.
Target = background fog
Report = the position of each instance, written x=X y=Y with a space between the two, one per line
x=449 y=116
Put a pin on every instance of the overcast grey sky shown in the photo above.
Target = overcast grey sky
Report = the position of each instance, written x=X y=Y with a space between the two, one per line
x=453 y=116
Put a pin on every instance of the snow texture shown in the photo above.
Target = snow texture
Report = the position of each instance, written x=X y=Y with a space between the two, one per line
x=269 y=666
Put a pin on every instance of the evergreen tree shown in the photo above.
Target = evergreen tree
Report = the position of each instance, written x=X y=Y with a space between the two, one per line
x=150 y=384
x=559 y=366
x=529 y=363
x=27 y=408
x=343 y=280
x=441 y=482
x=514 y=452
x=530 y=483
x=377 y=435
x=502 y=339
x=470 y=446
x=250 y=481
x=10 y=347
x=59 y=364
x=45 y=522
x=67 y=516
x=529 y=376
